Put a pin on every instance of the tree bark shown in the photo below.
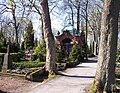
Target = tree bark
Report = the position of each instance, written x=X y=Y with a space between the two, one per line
x=105 y=74
x=78 y=19
x=13 y=4
x=49 y=38
x=42 y=28
x=86 y=19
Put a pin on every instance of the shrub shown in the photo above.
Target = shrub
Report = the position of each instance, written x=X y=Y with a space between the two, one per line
x=83 y=44
x=70 y=64
x=15 y=57
x=14 y=48
x=1 y=59
x=40 y=51
x=76 y=54
x=34 y=57
x=21 y=53
x=59 y=56
x=3 y=48
x=27 y=64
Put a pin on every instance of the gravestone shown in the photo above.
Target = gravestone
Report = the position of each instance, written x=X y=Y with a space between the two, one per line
x=7 y=63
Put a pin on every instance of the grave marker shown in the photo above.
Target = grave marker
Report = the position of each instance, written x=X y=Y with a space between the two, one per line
x=7 y=63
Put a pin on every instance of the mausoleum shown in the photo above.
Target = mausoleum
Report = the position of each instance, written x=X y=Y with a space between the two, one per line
x=67 y=38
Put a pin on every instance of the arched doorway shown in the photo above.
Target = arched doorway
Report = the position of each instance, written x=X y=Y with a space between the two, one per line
x=66 y=47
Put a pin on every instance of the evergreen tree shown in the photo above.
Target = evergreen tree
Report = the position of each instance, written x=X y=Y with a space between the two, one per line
x=22 y=46
x=40 y=50
x=29 y=37
x=83 y=43
x=59 y=56
x=35 y=42
x=76 y=54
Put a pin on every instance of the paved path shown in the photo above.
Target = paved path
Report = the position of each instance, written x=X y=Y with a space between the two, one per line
x=74 y=81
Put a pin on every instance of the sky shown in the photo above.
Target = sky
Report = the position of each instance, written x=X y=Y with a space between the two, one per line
x=57 y=23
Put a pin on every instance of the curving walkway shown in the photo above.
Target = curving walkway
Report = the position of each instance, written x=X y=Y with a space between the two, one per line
x=74 y=80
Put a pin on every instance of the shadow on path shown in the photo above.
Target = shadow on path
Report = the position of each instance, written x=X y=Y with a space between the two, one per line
x=90 y=61
x=2 y=91
x=82 y=66
x=77 y=76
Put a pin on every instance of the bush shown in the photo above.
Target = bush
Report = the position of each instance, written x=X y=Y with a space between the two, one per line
x=1 y=58
x=27 y=64
x=59 y=56
x=15 y=57
x=14 y=48
x=40 y=51
x=3 y=48
x=76 y=54
x=70 y=64
x=21 y=54
x=34 y=57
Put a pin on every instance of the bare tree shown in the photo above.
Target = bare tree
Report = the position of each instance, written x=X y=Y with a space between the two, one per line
x=75 y=5
x=49 y=38
x=105 y=74
x=17 y=12
x=94 y=23
x=86 y=23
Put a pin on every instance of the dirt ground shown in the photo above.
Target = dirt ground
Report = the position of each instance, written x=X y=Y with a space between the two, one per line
x=15 y=84
x=74 y=80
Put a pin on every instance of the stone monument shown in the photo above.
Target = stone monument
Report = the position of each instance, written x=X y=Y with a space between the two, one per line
x=7 y=63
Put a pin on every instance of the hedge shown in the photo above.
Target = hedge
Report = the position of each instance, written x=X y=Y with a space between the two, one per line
x=15 y=57
x=27 y=64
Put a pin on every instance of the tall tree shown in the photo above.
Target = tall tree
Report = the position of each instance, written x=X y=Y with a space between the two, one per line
x=76 y=4
x=105 y=74
x=35 y=7
x=16 y=11
x=13 y=11
x=49 y=38
x=86 y=22
x=29 y=36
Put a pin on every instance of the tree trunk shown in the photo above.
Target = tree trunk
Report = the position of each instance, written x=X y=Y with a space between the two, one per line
x=78 y=18
x=13 y=4
x=72 y=16
x=105 y=74
x=72 y=13
x=16 y=31
x=95 y=48
x=86 y=19
x=42 y=28
x=49 y=38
